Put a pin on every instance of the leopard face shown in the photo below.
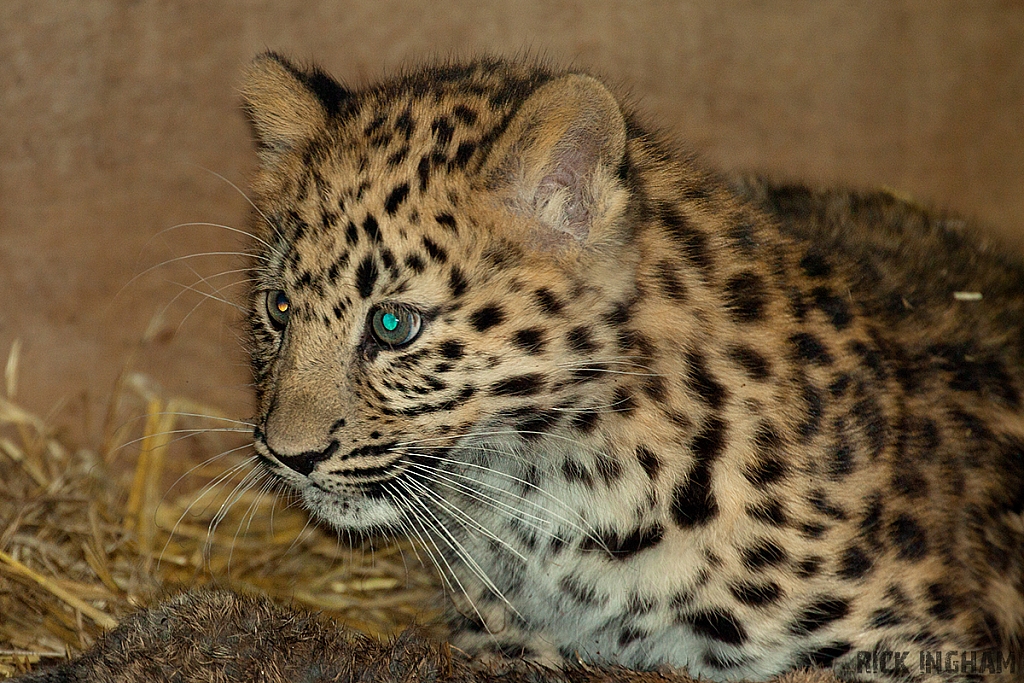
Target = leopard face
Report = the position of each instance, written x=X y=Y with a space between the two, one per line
x=409 y=310
x=635 y=413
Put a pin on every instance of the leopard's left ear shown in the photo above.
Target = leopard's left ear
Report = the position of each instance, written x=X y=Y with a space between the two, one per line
x=559 y=158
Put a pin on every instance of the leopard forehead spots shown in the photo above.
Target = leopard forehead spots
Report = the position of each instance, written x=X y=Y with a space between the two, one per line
x=636 y=412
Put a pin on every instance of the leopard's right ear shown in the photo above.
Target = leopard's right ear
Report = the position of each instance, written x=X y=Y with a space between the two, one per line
x=287 y=105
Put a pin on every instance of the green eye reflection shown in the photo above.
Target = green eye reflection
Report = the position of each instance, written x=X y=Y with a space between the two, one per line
x=395 y=326
x=278 y=308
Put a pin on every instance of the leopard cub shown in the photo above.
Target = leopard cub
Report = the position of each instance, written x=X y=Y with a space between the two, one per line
x=635 y=412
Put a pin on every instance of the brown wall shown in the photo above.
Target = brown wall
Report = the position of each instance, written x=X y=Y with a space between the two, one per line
x=110 y=110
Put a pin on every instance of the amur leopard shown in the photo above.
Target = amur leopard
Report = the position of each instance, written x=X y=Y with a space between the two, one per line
x=636 y=412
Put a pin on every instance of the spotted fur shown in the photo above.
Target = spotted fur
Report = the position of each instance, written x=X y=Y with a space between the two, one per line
x=650 y=416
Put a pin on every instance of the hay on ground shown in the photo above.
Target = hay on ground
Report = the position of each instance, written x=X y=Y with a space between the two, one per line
x=89 y=534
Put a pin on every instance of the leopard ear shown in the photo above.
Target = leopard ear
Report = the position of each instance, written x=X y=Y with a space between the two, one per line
x=558 y=160
x=285 y=104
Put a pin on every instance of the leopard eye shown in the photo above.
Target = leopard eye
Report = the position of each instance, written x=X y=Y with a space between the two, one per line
x=278 y=308
x=395 y=327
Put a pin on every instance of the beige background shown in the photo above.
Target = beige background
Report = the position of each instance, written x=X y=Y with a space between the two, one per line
x=112 y=110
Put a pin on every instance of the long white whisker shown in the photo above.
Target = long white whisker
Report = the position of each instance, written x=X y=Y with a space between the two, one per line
x=577 y=527
x=448 y=479
x=464 y=519
x=246 y=197
x=202 y=224
x=446 y=537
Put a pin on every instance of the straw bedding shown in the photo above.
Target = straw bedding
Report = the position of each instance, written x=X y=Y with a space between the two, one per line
x=88 y=535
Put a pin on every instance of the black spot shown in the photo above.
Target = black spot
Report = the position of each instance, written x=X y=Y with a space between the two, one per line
x=548 y=302
x=808 y=348
x=750 y=361
x=585 y=595
x=823 y=656
x=819 y=614
x=815 y=264
x=623 y=402
x=768 y=468
x=671 y=285
x=405 y=124
x=941 y=601
x=701 y=381
x=463 y=153
x=366 y=276
x=717 y=624
x=840 y=457
x=395 y=198
x=908 y=537
x=352 y=234
x=585 y=420
x=625 y=547
x=527 y=384
x=609 y=468
x=766 y=553
x=770 y=512
x=630 y=635
x=447 y=220
x=371 y=229
x=693 y=244
x=415 y=263
x=579 y=339
x=745 y=297
x=442 y=130
x=869 y=415
x=742 y=233
x=487 y=317
x=854 y=563
x=619 y=315
x=435 y=251
x=885 y=616
x=814 y=410
x=574 y=471
x=457 y=282
x=820 y=502
x=693 y=502
x=374 y=125
x=399 y=156
x=654 y=387
x=648 y=460
x=423 y=173
x=871 y=522
x=709 y=442
x=756 y=594
x=839 y=385
x=533 y=423
x=808 y=567
x=836 y=308
x=530 y=340
x=813 y=530
x=452 y=349
x=464 y=114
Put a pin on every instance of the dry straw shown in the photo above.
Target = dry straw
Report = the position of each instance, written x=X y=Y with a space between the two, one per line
x=87 y=535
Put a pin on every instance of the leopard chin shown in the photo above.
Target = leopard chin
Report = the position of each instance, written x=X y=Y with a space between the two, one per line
x=352 y=511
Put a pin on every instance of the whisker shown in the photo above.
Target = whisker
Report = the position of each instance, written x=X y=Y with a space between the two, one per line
x=466 y=521
x=446 y=479
x=187 y=257
x=458 y=548
x=576 y=527
x=202 y=224
x=246 y=197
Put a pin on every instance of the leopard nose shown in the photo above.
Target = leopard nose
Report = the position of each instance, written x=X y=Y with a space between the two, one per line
x=304 y=462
